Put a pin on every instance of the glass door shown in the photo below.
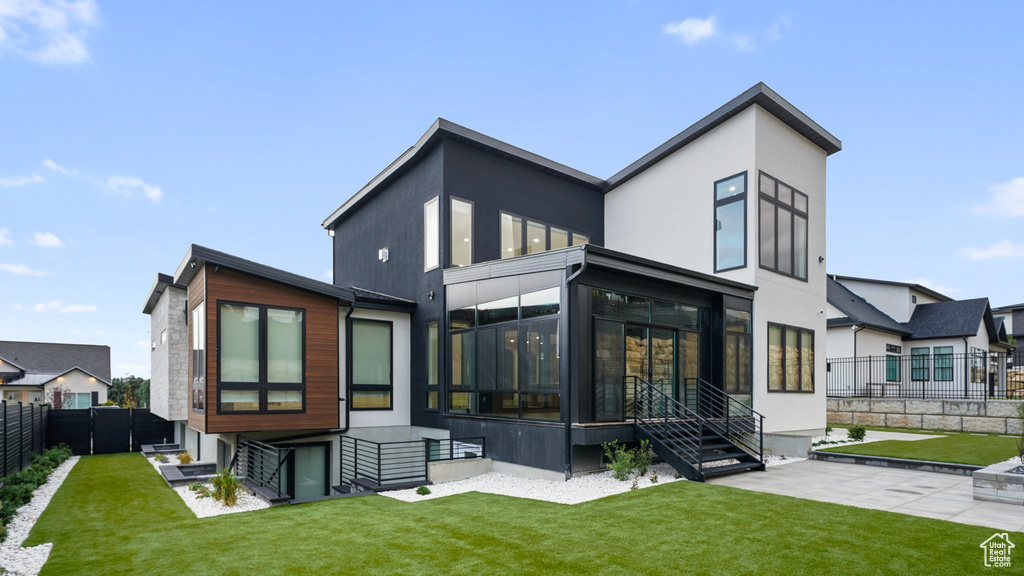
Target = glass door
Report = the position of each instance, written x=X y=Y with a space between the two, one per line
x=608 y=370
x=307 y=472
x=638 y=360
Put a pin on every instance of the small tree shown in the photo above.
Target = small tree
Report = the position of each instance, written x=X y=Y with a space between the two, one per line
x=56 y=397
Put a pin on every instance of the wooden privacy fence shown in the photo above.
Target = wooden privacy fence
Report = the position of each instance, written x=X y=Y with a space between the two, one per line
x=107 y=430
x=24 y=434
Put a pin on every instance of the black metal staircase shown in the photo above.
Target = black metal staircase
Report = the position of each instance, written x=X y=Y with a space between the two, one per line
x=711 y=434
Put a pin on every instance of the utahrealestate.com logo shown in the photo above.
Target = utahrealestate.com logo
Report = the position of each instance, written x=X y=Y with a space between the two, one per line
x=997 y=550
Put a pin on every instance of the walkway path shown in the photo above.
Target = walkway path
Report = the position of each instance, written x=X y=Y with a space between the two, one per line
x=928 y=494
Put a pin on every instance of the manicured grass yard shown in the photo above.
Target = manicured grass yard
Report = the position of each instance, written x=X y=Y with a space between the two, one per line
x=959 y=447
x=114 y=515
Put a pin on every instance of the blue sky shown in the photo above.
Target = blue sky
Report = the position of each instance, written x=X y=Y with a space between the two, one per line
x=132 y=129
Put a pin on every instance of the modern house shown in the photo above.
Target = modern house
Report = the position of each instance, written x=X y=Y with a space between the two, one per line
x=492 y=297
x=898 y=339
x=1012 y=319
x=63 y=375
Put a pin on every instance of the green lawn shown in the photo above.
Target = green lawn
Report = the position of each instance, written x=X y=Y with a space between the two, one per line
x=958 y=447
x=114 y=515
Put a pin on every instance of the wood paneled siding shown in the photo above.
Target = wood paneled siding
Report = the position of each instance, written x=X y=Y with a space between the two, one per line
x=196 y=295
x=321 y=377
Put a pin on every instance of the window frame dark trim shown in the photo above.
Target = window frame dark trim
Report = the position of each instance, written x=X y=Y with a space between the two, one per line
x=262 y=386
x=427 y=386
x=439 y=234
x=714 y=218
x=353 y=387
x=472 y=230
x=899 y=368
x=800 y=375
x=792 y=232
x=203 y=388
x=945 y=356
x=547 y=233
x=926 y=357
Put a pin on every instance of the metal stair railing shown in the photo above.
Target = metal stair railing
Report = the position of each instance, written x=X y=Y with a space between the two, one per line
x=658 y=412
x=260 y=463
x=734 y=420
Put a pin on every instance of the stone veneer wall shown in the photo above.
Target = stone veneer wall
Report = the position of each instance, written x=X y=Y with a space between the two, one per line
x=993 y=416
x=168 y=388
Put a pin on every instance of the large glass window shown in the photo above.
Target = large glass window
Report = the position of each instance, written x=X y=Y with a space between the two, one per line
x=892 y=368
x=431 y=234
x=505 y=357
x=522 y=236
x=462 y=232
x=782 y=228
x=731 y=223
x=432 y=364
x=919 y=359
x=198 y=357
x=372 y=383
x=944 y=363
x=738 y=354
x=790 y=359
x=261 y=358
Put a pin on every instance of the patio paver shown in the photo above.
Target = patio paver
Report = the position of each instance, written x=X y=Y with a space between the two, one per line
x=926 y=494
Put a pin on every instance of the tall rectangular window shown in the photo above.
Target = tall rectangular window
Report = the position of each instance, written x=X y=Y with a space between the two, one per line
x=198 y=357
x=731 y=223
x=462 y=233
x=892 y=368
x=943 y=363
x=782 y=224
x=739 y=356
x=919 y=360
x=432 y=365
x=261 y=358
x=372 y=383
x=431 y=234
x=790 y=359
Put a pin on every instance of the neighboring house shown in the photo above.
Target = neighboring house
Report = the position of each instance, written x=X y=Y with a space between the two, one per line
x=890 y=338
x=1012 y=319
x=532 y=305
x=64 y=375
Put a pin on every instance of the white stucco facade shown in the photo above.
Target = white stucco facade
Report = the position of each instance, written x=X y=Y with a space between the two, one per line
x=401 y=395
x=666 y=213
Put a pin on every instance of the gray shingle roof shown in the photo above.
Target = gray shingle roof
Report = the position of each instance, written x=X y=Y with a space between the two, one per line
x=859 y=310
x=953 y=319
x=58 y=358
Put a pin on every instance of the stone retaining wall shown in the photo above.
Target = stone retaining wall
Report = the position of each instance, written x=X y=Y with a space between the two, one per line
x=993 y=416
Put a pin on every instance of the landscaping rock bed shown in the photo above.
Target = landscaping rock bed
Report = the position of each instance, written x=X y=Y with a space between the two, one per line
x=29 y=561
x=206 y=507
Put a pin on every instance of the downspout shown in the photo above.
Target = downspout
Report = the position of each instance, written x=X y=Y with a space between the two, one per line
x=568 y=387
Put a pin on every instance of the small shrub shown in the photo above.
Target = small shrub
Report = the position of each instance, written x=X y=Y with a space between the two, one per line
x=161 y=458
x=195 y=486
x=828 y=429
x=184 y=458
x=856 y=432
x=423 y=490
x=226 y=487
x=620 y=460
x=636 y=483
x=642 y=457
x=677 y=475
x=654 y=477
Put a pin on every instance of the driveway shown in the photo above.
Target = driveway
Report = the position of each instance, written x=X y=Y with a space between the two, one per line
x=927 y=494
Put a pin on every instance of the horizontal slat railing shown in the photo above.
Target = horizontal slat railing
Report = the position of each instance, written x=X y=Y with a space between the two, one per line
x=401 y=462
x=661 y=414
x=260 y=464
x=731 y=418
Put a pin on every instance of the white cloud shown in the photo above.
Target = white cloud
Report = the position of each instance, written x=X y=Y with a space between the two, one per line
x=47 y=31
x=59 y=307
x=47 y=240
x=774 y=32
x=744 y=42
x=22 y=270
x=127 y=186
x=1007 y=200
x=16 y=181
x=5 y=236
x=691 y=30
x=48 y=163
x=1000 y=249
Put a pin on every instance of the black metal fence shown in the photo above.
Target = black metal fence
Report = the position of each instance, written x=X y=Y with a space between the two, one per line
x=24 y=434
x=402 y=462
x=106 y=430
x=974 y=375
x=261 y=464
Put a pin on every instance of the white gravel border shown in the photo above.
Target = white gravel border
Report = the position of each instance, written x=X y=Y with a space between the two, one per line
x=207 y=507
x=29 y=561
x=573 y=491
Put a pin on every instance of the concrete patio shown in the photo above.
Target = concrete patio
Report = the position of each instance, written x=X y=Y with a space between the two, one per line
x=927 y=494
